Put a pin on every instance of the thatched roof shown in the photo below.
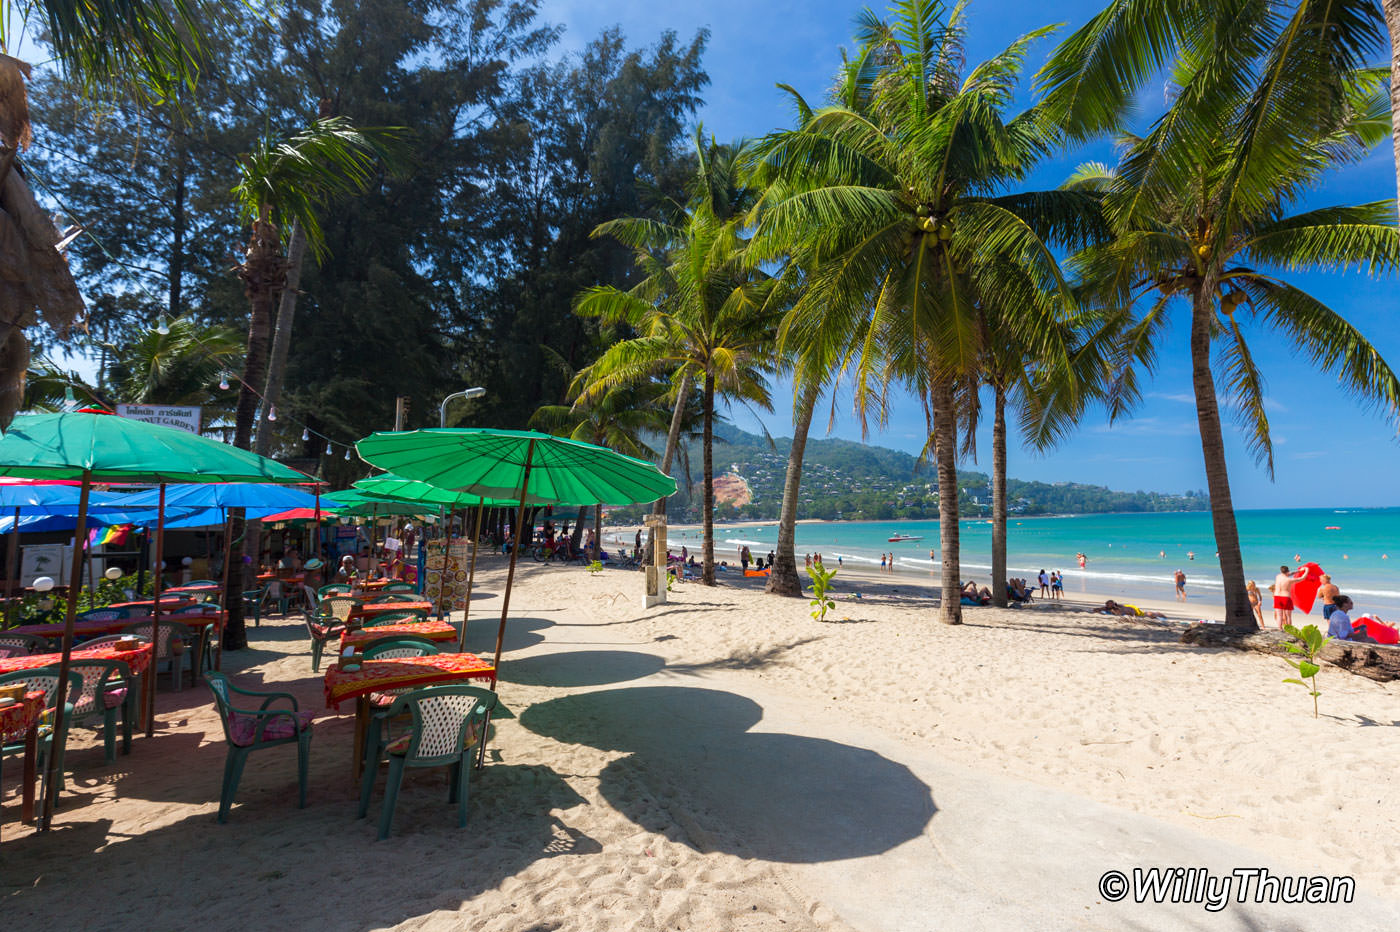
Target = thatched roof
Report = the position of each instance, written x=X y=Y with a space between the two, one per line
x=34 y=275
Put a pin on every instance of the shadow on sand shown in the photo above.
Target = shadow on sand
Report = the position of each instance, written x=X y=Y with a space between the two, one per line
x=780 y=797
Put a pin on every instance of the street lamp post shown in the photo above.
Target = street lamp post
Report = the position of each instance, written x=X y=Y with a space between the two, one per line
x=476 y=392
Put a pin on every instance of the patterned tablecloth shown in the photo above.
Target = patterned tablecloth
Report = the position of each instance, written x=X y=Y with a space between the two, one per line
x=92 y=629
x=368 y=609
x=138 y=660
x=375 y=675
x=432 y=630
x=16 y=717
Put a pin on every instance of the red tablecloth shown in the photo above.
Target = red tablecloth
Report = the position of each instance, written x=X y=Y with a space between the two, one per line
x=368 y=609
x=432 y=630
x=375 y=675
x=138 y=660
x=92 y=629
x=194 y=589
x=147 y=604
x=17 y=717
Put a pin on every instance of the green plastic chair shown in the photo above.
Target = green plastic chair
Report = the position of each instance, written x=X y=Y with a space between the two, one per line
x=400 y=645
x=449 y=722
x=107 y=686
x=399 y=587
x=21 y=645
x=46 y=679
x=323 y=628
x=172 y=634
x=396 y=618
x=103 y=614
x=393 y=597
x=249 y=730
x=336 y=588
x=254 y=601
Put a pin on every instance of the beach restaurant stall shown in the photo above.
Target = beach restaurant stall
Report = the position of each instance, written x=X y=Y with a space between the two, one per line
x=99 y=448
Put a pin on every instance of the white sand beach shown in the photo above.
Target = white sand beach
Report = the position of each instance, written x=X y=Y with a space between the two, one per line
x=727 y=762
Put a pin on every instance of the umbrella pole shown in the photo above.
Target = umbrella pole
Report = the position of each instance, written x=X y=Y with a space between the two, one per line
x=75 y=580
x=444 y=529
x=514 y=556
x=158 y=583
x=373 y=541
x=471 y=577
x=228 y=545
x=12 y=570
x=317 y=530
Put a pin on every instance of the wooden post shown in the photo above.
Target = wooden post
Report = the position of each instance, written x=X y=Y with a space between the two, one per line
x=159 y=583
x=656 y=573
x=520 y=534
x=75 y=580
x=471 y=578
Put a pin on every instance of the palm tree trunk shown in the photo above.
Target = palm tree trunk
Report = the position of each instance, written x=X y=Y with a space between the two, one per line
x=1222 y=512
x=783 y=579
x=945 y=454
x=1392 y=21
x=282 y=338
x=673 y=437
x=707 y=575
x=263 y=274
x=999 y=497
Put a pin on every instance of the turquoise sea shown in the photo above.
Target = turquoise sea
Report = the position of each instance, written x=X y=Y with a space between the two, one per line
x=1131 y=554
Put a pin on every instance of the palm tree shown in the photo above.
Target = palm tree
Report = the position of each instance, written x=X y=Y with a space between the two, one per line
x=142 y=46
x=284 y=184
x=701 y=314
x=180 y=367
x=891 y=196
x=617 y=419
x=1200 y=211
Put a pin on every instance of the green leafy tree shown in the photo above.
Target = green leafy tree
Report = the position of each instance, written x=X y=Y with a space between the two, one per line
x=893 y=195
x=1201 y=207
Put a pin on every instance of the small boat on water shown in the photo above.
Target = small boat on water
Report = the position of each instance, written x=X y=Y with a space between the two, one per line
x=901 y=538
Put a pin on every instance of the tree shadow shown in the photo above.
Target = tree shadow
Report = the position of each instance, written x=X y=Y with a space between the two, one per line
x=744 y=660
x=780 y=797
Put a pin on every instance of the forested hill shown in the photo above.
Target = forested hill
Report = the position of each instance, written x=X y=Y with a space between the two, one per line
x=856 y=481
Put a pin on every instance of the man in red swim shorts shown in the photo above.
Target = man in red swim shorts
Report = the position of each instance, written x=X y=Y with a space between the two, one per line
x=1283 y=597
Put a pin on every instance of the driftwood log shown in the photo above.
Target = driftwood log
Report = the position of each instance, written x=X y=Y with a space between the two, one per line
x=1376 y=661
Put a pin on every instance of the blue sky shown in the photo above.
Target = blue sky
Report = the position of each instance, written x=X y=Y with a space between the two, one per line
x=1328 y=451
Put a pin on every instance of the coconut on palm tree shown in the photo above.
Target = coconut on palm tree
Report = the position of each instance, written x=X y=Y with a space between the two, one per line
x=895 y=196
x=1202 y=211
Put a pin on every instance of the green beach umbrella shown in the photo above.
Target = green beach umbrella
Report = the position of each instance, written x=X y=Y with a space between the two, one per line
x=107 y=448
x=390 y=486
x=97 y=447
x=528 y=467
x=358 y=504
x=499 y=463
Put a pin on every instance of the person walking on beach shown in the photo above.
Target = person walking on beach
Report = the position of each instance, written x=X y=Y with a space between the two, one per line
x=1180 y=580
x=1283 y=597
x=1044 y=584
x=1057 y=585
x=1255 y=600
x=1327 y=593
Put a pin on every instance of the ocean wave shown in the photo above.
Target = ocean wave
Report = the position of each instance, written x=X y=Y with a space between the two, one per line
x=747 y=543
